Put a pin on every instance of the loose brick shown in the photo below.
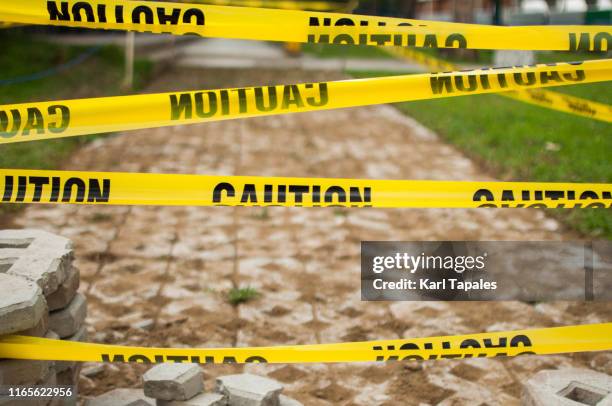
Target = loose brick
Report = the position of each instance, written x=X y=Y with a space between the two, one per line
x=21 y=372
x=69 y=320
x=173 y=381
x=65 y=292
x=21 y=304
x=249 y=390
x=39 y=330
x=44 y=258
x=568 y=387
x=69 y=376
x=91 y=369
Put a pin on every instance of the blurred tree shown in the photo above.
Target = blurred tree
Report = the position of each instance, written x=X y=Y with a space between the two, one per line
x=591 y=4
x=406 y=8
x=552 y=5
x=497 y=12
x=367 y=7
x=351 y=5
x=464 y=12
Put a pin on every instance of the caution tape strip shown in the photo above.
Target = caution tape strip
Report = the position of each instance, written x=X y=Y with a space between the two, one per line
x=556 y=340
x=298 y=26
x=563 y=102
x=41 y=186
x=539 y=97
x=58 y=119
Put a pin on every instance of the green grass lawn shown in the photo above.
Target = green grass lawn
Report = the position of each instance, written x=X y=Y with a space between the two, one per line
x=100 y=75
x=510 y=139
x=326 y=51
x=483 y=56
x=486 y=57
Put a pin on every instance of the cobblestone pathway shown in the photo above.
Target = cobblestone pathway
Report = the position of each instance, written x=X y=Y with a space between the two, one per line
x=173 y=266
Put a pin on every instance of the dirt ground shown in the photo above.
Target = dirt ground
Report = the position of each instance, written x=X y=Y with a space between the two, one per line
x=175 y=265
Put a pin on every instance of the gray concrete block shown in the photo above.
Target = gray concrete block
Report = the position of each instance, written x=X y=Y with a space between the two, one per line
x=52 y=335
x=44 y=258
x=568 y=387
x=39 y=330
x=173 y=381
x=249 y=390
x=80 y=336
x=66 y=291
x=8 y=256
x=68 y=321
x=50 y=379
x=287 y=401
x=21 y=372
x=204 y=399
x=122 y=397
x=69 y=376
x=21 y=304
x=91 y=369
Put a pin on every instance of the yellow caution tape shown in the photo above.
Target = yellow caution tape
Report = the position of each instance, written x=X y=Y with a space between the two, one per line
x=540 y=97
x=39 y=186
x=281 y=4
x=298 y=26
x=57 y=119
x=556 y=340
x=564 y=102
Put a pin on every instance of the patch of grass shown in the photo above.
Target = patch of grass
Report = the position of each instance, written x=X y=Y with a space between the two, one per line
x=567 y=56
x=100 y=217
x=483 y=56
x=326 y=51
x=486 y=57
x=100 y=75
x=263 y=214
x=510 y=138
x=340 y=212
x=237 y=296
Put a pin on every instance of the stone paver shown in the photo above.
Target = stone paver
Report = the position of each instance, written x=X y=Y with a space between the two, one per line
x=22 y=372
x=43 y=257
x=67 y=322
x=249 y=390
x=568 y=387
x=175 y=265
x=22 y=305
x=65 y=292
x=173 y=381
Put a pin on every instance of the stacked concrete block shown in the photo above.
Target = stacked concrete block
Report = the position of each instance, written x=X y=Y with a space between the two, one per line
x=38 y=297
x=183 y=385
